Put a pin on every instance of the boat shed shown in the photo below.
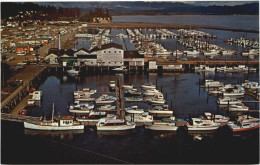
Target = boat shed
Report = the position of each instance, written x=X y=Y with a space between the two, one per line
x=133 y=58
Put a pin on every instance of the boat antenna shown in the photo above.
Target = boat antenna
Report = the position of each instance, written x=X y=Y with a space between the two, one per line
x=52 y=112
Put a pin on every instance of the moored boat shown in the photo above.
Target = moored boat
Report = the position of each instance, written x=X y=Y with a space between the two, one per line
x=65 y=123
x=162 y=126
x=105 y=99
x=105 y=124
x=243 y=125
x=202 y=125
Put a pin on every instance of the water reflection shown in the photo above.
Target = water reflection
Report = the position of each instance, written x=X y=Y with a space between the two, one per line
x=62 y=135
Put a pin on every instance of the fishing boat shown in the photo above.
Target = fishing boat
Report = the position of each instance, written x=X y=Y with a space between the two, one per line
x=202 y=125
x=105 y=99
x=243 y=125
x=148 y=86
x=161 y=110
x=85 y=91
x=228 y=100
x=139 y=118
x=238 y=107
x=106 y=108
x=106 y=124
x=134 y=109
x=132 y=92
x=65 y=123
x=162 y=126
x=84 y=97
x=216 y=118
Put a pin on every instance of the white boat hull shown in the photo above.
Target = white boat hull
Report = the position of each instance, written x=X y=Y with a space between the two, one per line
x=160 y=112
x=79 y=111
x=84 y=99
x=201 y=128
x=161 y=128
x=104 y=102
x=116 y=128
x=52 y=128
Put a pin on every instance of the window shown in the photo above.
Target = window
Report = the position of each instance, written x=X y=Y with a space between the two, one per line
x=119 y=51
x=104 y=51
x=114 y=51
x=91 y=62
x=109 y=62
x=108 y=51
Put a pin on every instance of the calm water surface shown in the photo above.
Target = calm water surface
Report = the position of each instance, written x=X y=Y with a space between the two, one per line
x=247 y=22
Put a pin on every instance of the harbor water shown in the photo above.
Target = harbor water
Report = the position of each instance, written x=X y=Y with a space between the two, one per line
x=140 y=146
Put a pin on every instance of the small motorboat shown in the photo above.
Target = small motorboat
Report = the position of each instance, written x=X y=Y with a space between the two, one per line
x=133 y=99
x=87 y=91
x=161 y=110
x=132 y=92
x=212 y=84
x=105 y=99
x=139 y=118
x=84 y=97
x=113 y=124
x=120 y=69
x=151 y=92
x=228 y=100
x=125 y=87
x=134 y=109
x=238 y=107
x=112 y=84
x=106 y=108
x=148 y=86
x=216 y=118
x=243 y=125
x=162 y=126
x=202 y=125
x=73 y=72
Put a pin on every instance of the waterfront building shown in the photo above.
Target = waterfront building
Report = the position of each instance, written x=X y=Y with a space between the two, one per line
x=85 y=57
x=110 y=55
x=133 y=58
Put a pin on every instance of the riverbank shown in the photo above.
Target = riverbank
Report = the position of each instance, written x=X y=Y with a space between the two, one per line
x=166 y=26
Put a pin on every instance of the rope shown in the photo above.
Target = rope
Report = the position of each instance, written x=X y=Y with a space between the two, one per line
x=95 y=153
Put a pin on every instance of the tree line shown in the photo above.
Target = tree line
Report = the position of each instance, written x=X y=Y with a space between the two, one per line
x=98 y=12
x=11 y=9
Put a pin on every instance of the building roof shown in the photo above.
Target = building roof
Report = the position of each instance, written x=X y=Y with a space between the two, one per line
x=132 y=54
x=111 y=45
x=61 y=52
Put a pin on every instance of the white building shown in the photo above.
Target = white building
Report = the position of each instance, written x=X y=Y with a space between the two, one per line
x=85 y=57
x=110 y=55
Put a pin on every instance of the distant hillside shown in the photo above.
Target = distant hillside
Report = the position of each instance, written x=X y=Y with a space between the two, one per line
x=152 y=8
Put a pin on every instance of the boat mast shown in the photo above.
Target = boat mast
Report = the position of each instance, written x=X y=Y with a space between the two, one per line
x=52 y=116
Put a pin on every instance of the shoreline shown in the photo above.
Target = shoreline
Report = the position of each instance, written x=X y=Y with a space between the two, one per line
x=125 y=25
